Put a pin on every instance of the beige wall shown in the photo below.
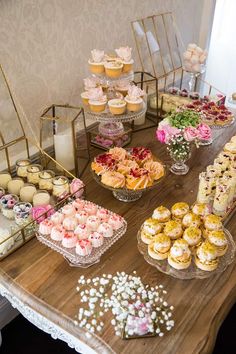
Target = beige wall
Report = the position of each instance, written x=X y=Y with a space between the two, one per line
x=45 y=44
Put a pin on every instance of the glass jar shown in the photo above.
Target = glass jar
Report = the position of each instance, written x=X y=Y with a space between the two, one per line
x=22 y=213
x=60 y=186
x=33 y=172
x=21 y=167
x=8 y=202
x=14 y=185
x=41 y=197
x=45 y=180
x=5 y=177
x=27 y=192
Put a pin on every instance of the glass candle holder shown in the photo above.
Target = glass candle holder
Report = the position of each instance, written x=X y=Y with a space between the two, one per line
x=45 y=180
x=21 y=167
x=5 y=177
x=22 y=213
x=27 y=192
x=33 y=172
x=41 y=197
x=14 y=185
x=60 y=186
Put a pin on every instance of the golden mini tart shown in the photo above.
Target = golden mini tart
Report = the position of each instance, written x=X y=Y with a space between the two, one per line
x=113 y=69
x=206 y=257
x=191 y=219
x=162 y=214
x=117 y=106
x=192 y=235
x=96 y=68
x=212 y=222
x=146 y=237
x=160 y=246
x=180 y=255
x=218 y=239
x=173 y=229
x=152 y=226
x=201 y=209
x=178 y=210
x=97 y=106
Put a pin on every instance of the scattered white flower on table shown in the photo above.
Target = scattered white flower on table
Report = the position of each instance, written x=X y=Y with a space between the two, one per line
x=138 y=309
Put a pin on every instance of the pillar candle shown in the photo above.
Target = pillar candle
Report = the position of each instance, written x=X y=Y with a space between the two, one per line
x=64 y=151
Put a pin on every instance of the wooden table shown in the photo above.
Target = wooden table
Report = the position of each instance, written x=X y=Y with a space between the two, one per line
x=40 y=283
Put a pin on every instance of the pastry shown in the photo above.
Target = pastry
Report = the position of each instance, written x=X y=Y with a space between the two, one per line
x=102 y=163
x=82 y=216
x=97 y=106
x=206 y=188
x=155 y=168
x=57 y=233
x=178 y=210
x=124 y=53
x=82 y=231
x=96 y=64
x=105 y=229
x=57 y=218
x=152 y=226
x=118 y=153
x=160 y=247
x=68 y=210
x=91 y=82
x=191 y=219
x=134 y=99
x=113 y=69
x=96 y=238
x=122 y=86
x=83 y=248
x=45 y=227
x=146 y=237
x=103 y=215
x=218 y=239
x=192 y=235
x=221 y=199
x=93 y=222
x=173 y=229
x=8 y=202
x=69 y=239
x=180 y=255
x=113 y=179
x=206 y=257
x=78 y=204
x=90 y=208
x=124 y=167
x=212 y=222
x=230 y=147
x=115 y=221
x=139 y=178
x=85 y=98
x=117 y=106
x=161 y=214
x=201 y=209
x=70 y=223
x=6 y=241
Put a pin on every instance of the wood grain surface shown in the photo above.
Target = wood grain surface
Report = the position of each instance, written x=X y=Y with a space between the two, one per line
x=45 y=281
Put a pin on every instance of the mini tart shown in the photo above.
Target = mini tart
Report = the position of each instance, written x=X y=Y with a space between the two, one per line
x=97 y=106
x=212 y=222
x=180 y=255
x=146 y=237
x=134 y=105
x=191 y=219
x=206 y=257
x=160 y=246
x=156 y=169
x=173 y=229
x=85 y=98
x=161 y=214
x=117 y=106
x=96 y=68
x=125 y=166
x=201 y=209
x=113 y=179
x=192 y=235
x=127 y=66
x=113 y=69
x=230 y=147
x=138 y=178
x=178 y=210
x=218 y=239
x=152 y=226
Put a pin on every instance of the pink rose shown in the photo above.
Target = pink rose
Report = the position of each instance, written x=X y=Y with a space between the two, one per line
x=171 y=130
x=77 y=187
x=191 y=133
x=204 y=132
x=162 y=136
x=39 y=213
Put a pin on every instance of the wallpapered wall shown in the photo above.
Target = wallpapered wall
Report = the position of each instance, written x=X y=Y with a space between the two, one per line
x=45 y=44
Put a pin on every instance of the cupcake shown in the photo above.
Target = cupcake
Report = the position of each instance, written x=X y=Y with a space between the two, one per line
x=82 y=217
x=118 y=153
x=91 y=82
x=113 y=69
x=141 y=155
x=173 y=229
x=117 y=106
x=103 y=163
x=124 y=53
x=212 y=222
x=96 y=65
x=122 y=86
x=115 y=221
x=134 y=99
x=139 y=178
x=180 y=255
x=161 y=214
x=105 y=229
x=82 y=231
x=45 y=227
x=218 y=239
x=57 y=233
x=192 y=235
x=124 y=167
x=113 y=179
x=103 y=215
x=178 y=210
x=155 y=168
x=96 y=238
x=83 y=248
x=230 y=147
x=201 y=209
x=85 y=98
x=191 y=219
x=93 y=222
x=160 y=247
x=69 y=239
x=8 y=202
x=90 y=208
x=206 y=257
x=146 y=237
x=70 y=223
x=152 y=226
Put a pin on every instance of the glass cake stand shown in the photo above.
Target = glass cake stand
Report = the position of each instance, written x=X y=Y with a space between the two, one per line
x=192 y=272
x=109 y=81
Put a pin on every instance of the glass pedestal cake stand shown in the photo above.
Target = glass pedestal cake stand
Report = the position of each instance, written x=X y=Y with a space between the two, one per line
x=192 y=272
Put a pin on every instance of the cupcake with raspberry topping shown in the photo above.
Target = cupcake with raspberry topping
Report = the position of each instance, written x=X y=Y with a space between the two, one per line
x=103 y=163
x=141 y=154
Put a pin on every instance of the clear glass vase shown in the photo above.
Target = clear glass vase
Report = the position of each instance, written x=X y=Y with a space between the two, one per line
x=179 y=154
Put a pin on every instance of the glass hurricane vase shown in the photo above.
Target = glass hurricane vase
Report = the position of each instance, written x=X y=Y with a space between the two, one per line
x=180 y=153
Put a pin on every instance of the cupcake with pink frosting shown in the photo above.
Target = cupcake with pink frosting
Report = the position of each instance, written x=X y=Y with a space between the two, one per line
x=82 y=231
x=134 y=99
x=57 y=233
x=96 y=238
x=105 y=229
x=70 y=223
x=45 y=227
x=83 y=247
x=69 y=239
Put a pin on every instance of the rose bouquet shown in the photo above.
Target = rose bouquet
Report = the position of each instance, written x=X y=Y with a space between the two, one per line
x=178 y=130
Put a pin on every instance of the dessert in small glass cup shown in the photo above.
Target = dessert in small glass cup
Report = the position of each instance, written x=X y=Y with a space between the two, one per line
x=33 y=172
x=14 y=185
x=22 y=213
x=60 y=185
x=41 y=197
x=96 y=64
x=7 y=204
x=45 y=180
x=117 y=106
x=21 y=167
x=27 y=192
x=113 y=69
